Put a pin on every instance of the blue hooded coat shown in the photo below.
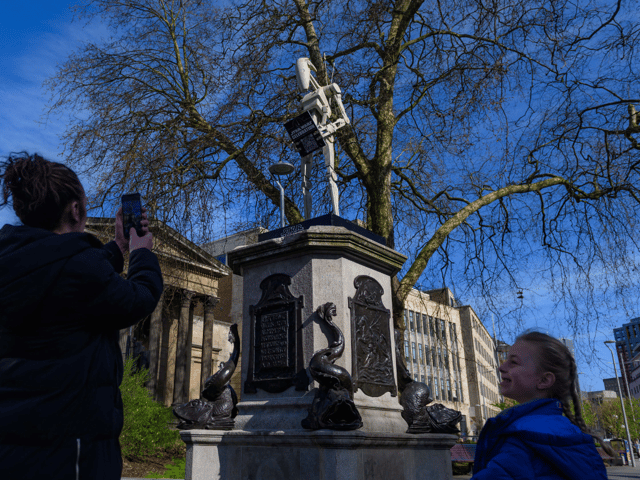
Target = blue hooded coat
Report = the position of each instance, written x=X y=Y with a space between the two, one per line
x=536 y=441
x=62 y=303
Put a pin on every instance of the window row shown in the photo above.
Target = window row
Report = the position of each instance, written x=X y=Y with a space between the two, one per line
x=438 y=389
x=436 y=356
x=423 y=323
x=483 y=352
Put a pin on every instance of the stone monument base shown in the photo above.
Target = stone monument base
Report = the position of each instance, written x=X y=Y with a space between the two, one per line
x=316 y=455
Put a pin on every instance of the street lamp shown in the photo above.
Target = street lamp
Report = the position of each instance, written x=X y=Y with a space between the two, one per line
x=281 y=169
x=624 y=412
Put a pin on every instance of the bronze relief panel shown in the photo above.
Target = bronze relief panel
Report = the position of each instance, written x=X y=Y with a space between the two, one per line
x=371 y=339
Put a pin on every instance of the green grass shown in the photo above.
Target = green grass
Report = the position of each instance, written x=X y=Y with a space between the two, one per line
x=175 y=469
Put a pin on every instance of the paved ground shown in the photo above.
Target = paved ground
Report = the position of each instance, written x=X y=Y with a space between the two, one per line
x=614 y=473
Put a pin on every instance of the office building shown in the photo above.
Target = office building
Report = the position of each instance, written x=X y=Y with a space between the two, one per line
x=627 y=339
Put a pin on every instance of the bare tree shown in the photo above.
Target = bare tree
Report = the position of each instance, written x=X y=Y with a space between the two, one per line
x=491 y=141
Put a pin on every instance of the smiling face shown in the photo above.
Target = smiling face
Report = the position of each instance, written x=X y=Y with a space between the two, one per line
x=521 y=379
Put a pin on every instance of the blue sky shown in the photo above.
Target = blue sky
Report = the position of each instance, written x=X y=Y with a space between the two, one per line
x=37 y=35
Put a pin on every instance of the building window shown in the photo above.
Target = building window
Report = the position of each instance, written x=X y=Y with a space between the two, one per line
x=424 y=324
x=418 y=323
x=422 y=378
x=442 y=389
x=437 y=389
x=413 y=350
x=411 y=325
x=449 y=389
x=406 y=350
x=420 y=350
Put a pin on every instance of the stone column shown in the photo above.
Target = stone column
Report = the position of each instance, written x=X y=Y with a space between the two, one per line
x=207 y=339
x=155 y=334
x=168 y=364
x=181 y=346
x=186 y=391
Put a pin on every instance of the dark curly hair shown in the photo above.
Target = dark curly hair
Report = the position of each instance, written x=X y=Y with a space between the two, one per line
x=41 y=189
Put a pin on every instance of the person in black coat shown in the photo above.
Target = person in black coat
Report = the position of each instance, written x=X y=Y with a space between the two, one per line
x=62 y=303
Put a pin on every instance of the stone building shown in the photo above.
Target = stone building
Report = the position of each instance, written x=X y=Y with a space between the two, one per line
x=627 y=339
x=634 y=386
x=449 y=349
x=599 y=397
x=187 y=325
x=611 y=384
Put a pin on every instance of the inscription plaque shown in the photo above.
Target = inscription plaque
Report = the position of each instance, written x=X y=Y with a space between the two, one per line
x=275 y=355
x=275 y=341
x=371 y=343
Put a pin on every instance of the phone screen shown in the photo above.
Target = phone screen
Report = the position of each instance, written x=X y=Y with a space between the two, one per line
x=132 y=213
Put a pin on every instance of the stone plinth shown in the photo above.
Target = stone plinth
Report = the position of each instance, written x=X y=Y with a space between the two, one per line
x=317 y=455
x=322 y=264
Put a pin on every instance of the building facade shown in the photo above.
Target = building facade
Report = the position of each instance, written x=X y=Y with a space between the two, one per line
x=627 y=339
x=448 y=348
x=634 y=386
x=611 y=384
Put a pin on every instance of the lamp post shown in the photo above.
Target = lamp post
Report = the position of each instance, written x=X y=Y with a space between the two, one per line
x=281 y=169
x=624 y=412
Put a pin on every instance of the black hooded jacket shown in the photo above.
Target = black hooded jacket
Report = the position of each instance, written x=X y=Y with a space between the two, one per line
x=62 y=302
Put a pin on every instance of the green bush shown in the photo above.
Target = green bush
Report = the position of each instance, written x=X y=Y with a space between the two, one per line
x=145 y=431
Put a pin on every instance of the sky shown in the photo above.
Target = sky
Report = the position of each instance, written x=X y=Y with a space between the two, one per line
x=38 y=35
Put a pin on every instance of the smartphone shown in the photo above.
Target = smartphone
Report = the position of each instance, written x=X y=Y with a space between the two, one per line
x=132 y=214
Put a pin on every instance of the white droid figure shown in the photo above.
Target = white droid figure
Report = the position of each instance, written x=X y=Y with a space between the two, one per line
x=317 y=104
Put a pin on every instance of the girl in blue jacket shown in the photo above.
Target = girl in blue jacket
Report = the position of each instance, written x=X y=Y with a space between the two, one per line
x=539 y=438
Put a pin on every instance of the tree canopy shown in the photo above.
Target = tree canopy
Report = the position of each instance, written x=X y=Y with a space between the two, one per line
x=492 y=142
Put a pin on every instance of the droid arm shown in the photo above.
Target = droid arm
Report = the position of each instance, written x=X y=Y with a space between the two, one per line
x=334 y=91
x=327 y=129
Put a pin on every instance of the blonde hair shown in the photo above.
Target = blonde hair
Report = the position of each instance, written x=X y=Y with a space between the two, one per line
x=554 y=356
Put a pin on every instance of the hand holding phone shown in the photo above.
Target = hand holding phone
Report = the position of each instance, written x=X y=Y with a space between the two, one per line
x=132 y=214
x=132 y=227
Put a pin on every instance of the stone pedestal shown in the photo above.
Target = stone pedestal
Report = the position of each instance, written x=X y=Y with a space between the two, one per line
x=316 y=455
x=285 y=280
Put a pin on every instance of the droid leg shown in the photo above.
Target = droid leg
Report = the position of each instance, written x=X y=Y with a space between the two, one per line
x=329 y=161
x=306 y=185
